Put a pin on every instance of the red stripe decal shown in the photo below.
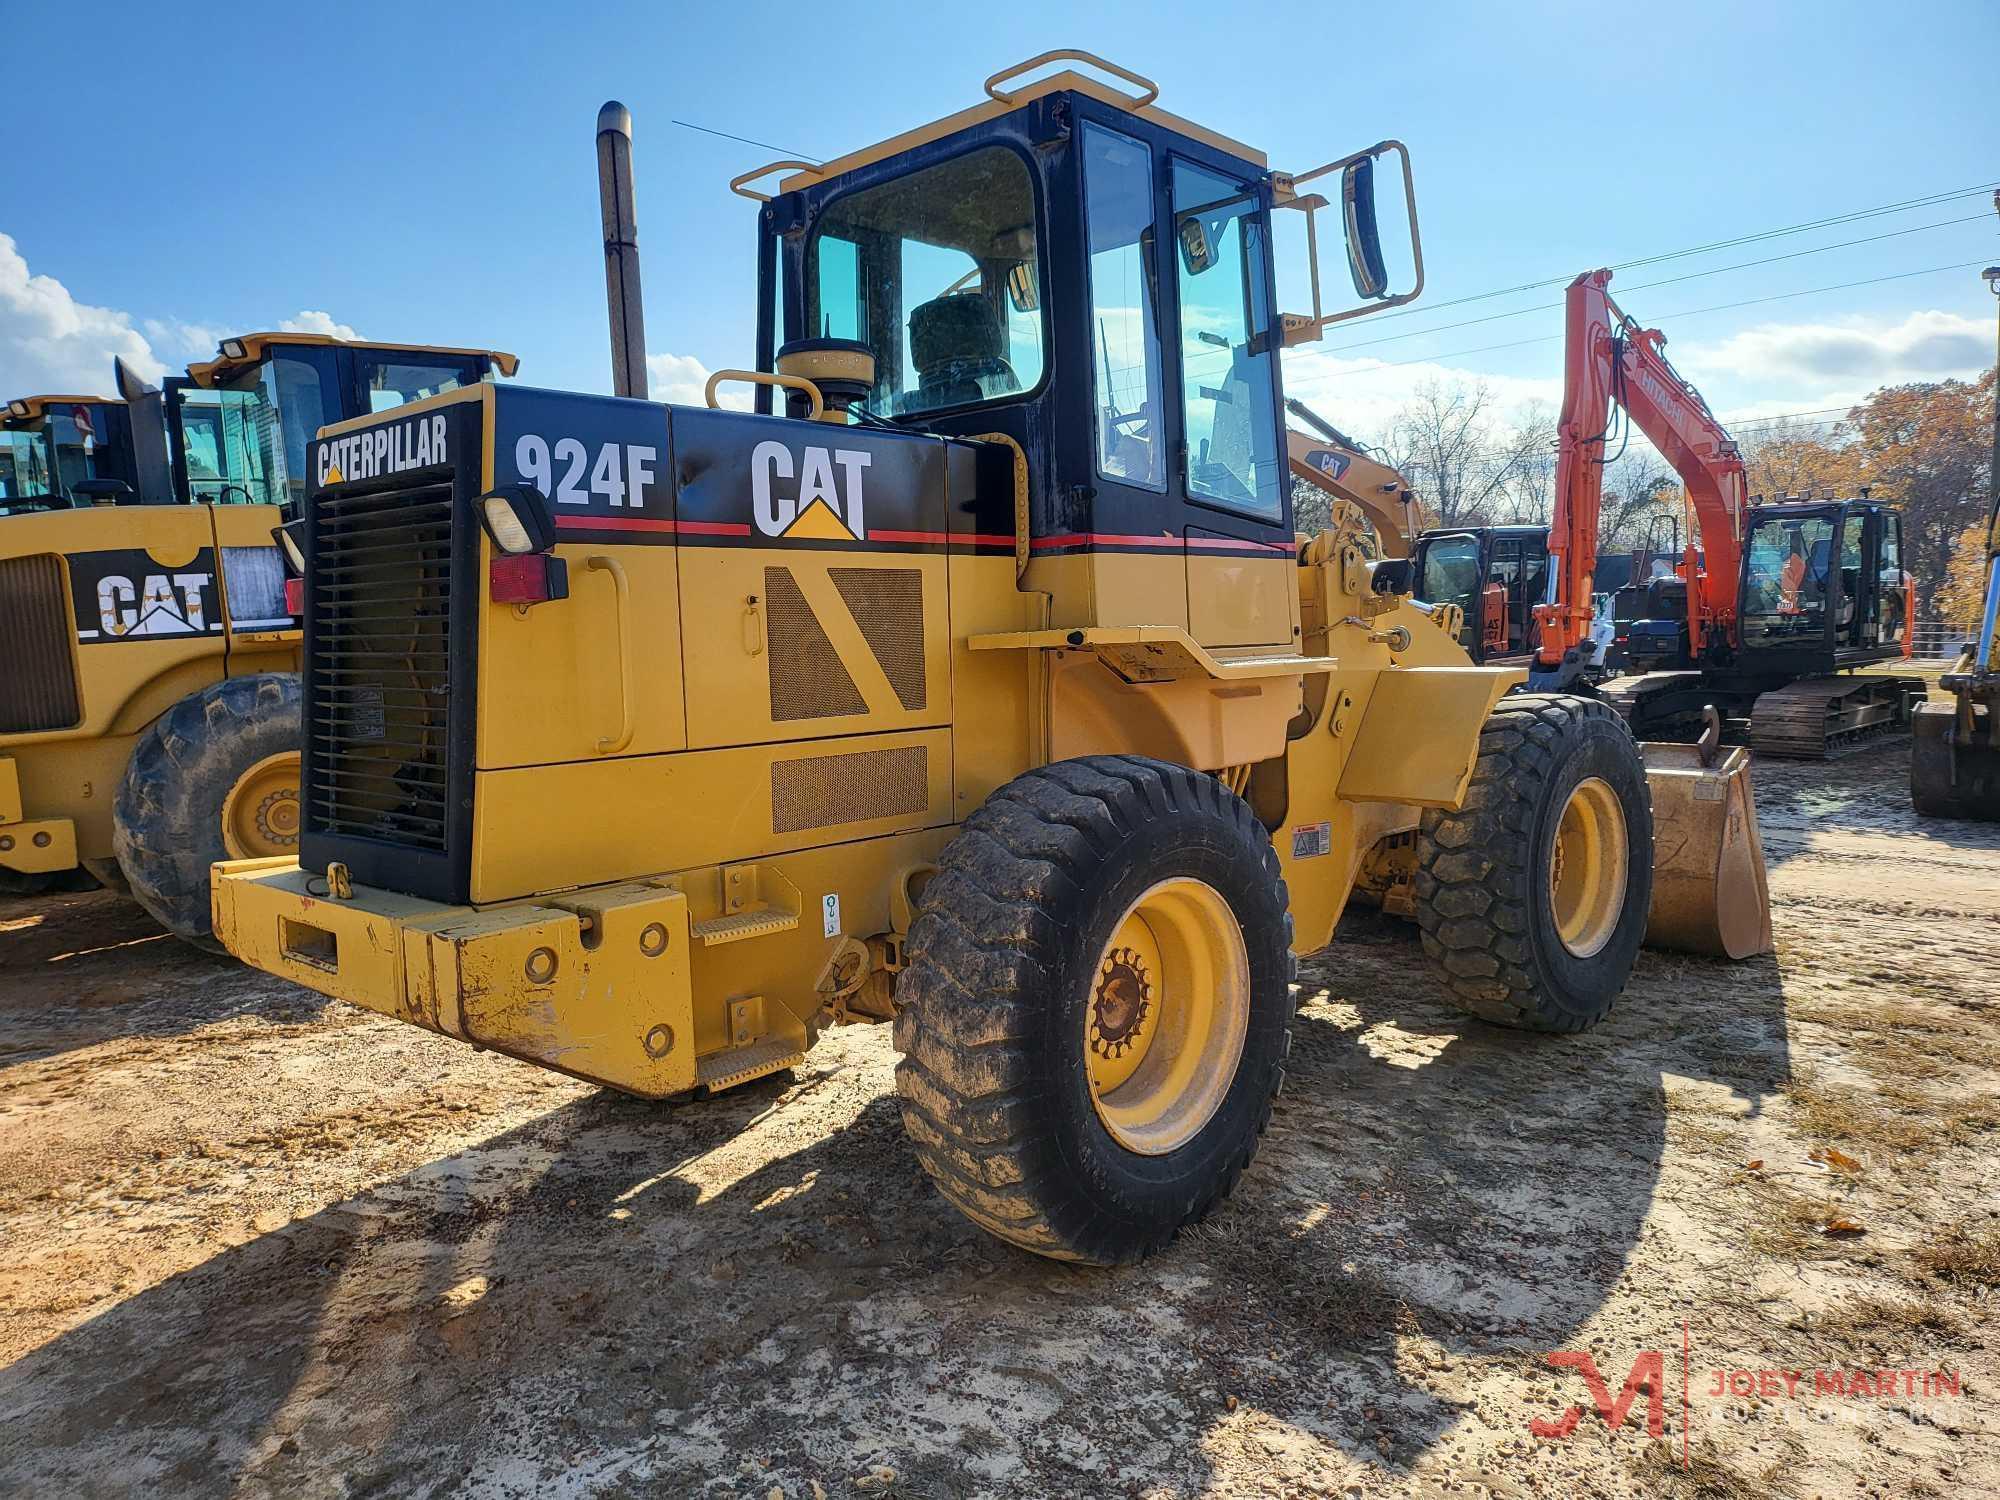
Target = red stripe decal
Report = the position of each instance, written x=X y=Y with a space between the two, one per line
x=611 y=523
x=716 y=528
x=1164 y=539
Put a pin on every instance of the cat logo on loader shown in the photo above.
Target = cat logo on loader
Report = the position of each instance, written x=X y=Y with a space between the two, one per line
x=1053 y=751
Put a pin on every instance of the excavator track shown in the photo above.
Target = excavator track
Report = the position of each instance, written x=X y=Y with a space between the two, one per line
x=1819 y=717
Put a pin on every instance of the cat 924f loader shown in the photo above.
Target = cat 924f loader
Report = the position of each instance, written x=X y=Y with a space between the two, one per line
x=989 y=693
x=149 y=690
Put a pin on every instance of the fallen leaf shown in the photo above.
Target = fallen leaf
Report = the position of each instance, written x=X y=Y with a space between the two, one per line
x=1835 y=1161
x=1754 y=1166
x=1229 y=1403
x=1841 y=1226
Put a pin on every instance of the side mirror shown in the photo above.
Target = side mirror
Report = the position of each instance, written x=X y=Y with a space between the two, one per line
x=104 y=491
x=1021 y=288
x=1364 y=241
x=1197 y=250
x=1359 y=223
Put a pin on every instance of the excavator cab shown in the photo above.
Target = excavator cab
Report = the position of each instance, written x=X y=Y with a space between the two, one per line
x=1497 y=575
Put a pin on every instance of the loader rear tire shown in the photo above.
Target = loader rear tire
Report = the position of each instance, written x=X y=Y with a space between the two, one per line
x=1096 y=1006
x=216 y=756
x=1532 y=897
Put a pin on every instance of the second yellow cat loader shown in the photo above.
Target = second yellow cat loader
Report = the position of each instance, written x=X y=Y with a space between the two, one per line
x=989 y=692
x=149 y=690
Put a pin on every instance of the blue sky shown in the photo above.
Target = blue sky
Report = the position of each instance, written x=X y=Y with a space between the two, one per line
x=427 y=173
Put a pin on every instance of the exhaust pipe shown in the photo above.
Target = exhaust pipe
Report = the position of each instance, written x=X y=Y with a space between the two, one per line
x=621 y=251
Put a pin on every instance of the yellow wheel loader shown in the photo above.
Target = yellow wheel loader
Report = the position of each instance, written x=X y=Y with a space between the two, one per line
x=149 y=692
x=988 y=691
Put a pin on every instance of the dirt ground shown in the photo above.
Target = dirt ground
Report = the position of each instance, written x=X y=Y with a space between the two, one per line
x=256 y=1243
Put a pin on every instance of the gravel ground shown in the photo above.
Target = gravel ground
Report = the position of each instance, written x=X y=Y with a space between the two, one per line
x=261 y=1244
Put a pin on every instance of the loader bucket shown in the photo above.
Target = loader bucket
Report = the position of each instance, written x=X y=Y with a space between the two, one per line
x=1710 y=894
x=1954 y=774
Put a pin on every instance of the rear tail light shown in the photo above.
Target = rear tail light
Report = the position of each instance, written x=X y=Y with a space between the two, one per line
x=295 y=597
x=534 y=578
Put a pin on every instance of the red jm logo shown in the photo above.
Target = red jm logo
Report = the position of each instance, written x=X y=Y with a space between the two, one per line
x=1648 y=1375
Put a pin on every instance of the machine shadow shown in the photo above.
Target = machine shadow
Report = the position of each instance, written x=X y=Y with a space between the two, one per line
x=80 y=968
x=647 y=1297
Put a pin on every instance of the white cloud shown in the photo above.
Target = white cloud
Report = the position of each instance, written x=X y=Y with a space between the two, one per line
x=1362 y=396
x=50 y=343
x=317 y=322
x=170 y=336
x=681 y=380
x=1847 y=354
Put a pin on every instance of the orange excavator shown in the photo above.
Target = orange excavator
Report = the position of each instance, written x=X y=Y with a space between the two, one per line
x=1757 y=636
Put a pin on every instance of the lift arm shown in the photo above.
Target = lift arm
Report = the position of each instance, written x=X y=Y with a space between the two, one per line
x=1610 y=358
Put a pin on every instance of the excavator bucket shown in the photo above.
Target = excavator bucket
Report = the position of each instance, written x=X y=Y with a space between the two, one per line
x=1710 y=893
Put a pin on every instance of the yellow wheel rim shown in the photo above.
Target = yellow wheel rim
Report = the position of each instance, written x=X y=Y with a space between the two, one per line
x=260 y=816
x=1587 y=868
x=1167 y=1013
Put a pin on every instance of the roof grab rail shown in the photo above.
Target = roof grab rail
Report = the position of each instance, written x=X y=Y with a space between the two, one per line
x=737 y=185
x=1149 y=90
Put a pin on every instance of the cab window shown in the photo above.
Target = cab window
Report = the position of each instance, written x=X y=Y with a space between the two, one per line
x=395 y=380
x=1228 y=391
x=939 y=273
x=1788 y=578
x=1124 y=308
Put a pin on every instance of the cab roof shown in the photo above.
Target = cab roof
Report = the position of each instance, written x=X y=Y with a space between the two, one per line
x=29 y=408
x=1005 y=101
x=251 y=348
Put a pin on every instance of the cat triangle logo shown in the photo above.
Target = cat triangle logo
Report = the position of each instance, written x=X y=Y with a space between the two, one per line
x=818 y=522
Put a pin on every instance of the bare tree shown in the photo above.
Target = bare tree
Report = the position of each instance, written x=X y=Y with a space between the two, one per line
x=1445 y=444
x=1527 y=459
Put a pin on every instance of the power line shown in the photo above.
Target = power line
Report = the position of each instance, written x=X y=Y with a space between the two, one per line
x=1696 y=312
x=1521 y=312
x=1927 y=201
x=744 y=139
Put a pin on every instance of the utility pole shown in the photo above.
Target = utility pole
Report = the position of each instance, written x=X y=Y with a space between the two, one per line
x=621 y=250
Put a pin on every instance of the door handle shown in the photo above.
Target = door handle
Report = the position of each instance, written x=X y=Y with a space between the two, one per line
x=599 y=563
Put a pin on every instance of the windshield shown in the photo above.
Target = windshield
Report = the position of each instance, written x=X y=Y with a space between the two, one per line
x=1448 y=573
x=939 y=273
x=24 y=465
x=1787 y=579
x=231 y=442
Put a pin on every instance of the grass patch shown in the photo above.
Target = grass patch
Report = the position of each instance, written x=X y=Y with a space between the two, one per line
x=1874 y=1319
x=1961 y=1255
x=1836 y=1112
x=1707 y=1476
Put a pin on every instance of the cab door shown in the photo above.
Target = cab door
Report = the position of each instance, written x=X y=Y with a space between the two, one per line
x=1234 y=473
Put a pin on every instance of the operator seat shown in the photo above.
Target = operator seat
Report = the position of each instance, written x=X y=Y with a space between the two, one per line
x=956 y=343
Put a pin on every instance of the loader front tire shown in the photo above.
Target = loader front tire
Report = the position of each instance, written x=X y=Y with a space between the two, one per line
x=214 y=778
x=1096 y=1006
x=1532 y=897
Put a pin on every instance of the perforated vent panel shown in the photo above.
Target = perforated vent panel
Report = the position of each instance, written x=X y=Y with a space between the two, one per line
x=823 y=790
x=807 y=679
x=38 y=686
x=888 y=605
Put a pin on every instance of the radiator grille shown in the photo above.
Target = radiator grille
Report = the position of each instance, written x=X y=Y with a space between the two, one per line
x=807 y=678
x=38 y=685
x=380 y=664
x=888 y=605
x=823 y=790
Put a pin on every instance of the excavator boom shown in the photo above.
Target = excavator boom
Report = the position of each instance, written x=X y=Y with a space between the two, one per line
x=1611 y=359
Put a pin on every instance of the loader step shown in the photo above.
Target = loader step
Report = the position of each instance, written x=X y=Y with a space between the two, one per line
x=757 y=922
x=725 y=1070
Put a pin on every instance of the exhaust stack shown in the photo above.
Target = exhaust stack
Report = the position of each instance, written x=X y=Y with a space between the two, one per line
x=621 y=250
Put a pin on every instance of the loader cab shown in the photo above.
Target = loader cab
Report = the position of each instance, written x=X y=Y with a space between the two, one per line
x=239 y=426
x=1497 y=575
x=1092 y=279
x=1823 y=585
x=60 y=452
